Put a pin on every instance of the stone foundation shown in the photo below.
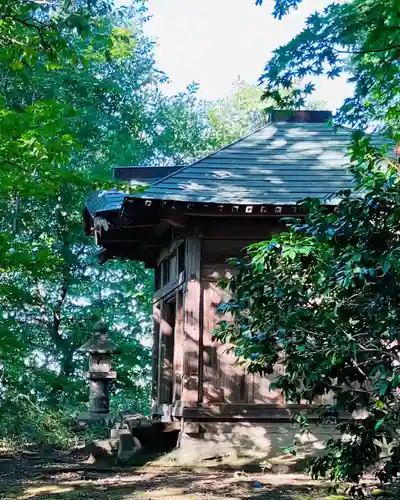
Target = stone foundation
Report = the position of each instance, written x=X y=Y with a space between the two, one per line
x=230 y=443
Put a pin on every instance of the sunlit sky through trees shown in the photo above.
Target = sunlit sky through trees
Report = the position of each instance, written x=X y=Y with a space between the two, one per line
x=215 y=42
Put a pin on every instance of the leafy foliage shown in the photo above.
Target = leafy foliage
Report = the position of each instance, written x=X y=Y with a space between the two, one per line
x=60 y=100
x=322 y=301
x=282 y=7
x=238 y=114
x=359 y=37
x=80 y=93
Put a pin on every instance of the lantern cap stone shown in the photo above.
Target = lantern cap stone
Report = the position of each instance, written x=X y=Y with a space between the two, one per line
x=99 y=343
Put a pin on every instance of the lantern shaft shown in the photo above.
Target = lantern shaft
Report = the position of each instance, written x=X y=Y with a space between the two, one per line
x=99 y=399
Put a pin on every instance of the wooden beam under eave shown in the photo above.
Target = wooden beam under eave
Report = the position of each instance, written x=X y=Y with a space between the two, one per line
x=156 y=237
x=175 y=223
x=177 y=220
x=123 y=250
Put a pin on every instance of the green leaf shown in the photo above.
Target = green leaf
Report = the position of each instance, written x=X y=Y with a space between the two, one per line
x=17 y=65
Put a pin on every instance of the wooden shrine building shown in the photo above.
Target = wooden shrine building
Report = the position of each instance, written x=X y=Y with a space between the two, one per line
x=185 y=226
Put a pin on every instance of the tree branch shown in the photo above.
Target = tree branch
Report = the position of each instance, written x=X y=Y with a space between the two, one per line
x=29 y=25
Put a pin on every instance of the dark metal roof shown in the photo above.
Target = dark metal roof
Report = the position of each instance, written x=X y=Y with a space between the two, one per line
x=104 y=201
x=109 y=201
x=279 y=164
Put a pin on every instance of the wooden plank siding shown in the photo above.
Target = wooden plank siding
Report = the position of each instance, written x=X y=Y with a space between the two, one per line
x=224 y=381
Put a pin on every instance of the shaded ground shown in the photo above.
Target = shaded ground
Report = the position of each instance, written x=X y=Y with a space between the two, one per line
x=36 y=477
x=169 y=485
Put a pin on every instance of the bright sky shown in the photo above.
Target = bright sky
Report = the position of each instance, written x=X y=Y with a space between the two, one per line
x=213 y=42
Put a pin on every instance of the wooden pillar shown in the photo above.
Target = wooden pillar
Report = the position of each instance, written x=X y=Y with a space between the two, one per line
x=178 y=351
x=192 y=337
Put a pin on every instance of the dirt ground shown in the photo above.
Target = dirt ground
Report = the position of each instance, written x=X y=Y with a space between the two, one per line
x=36 y=477
x=167 y=485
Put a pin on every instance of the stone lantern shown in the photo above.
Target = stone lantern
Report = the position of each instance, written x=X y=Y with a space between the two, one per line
x=100 y=350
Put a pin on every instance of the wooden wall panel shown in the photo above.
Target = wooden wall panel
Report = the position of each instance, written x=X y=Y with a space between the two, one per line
x=224 y=381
